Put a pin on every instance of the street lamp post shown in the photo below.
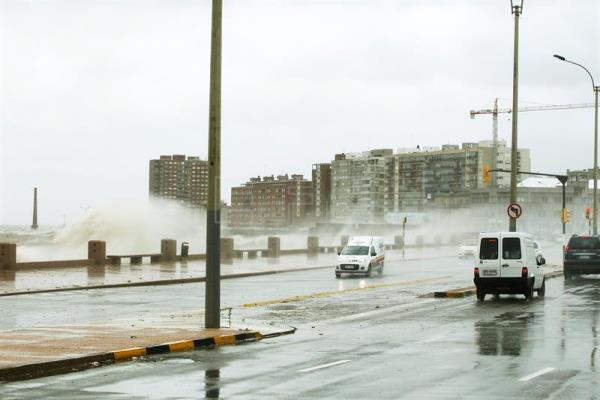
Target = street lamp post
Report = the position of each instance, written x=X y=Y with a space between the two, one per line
x=212 y=300
x=596 y=90
x=516 y=7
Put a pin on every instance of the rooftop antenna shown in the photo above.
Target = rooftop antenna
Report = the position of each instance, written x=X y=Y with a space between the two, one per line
x=34 y=225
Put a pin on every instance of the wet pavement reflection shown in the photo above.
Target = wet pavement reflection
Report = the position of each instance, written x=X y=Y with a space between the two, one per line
x=503 y=336
x=212 y=383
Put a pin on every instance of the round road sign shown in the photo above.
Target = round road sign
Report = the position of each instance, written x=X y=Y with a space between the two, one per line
x=514 y=210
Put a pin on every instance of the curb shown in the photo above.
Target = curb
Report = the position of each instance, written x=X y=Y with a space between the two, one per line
x=470 y=290
x=49 y=368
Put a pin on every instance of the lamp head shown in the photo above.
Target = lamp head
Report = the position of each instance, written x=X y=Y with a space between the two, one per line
x=561 y=58
x=516 y=6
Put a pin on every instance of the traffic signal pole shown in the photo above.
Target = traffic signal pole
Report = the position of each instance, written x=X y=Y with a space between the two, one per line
x=561 y=178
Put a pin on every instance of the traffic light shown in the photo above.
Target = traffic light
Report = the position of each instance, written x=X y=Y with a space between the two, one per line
x=486 y=174
x=588 y=213
x=565 y=215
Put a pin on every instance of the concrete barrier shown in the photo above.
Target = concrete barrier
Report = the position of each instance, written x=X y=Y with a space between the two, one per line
x=227 y=251
x=8 y=255
x=312 y=244
x=274 y=245
x=97 y=251
x=168 y=249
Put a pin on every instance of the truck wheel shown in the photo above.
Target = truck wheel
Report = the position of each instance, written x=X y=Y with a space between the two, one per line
x=338 y=275
x=480 y=295
x=542 y=290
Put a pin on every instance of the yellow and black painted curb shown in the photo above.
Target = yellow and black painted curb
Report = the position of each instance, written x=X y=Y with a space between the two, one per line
x=38 y=370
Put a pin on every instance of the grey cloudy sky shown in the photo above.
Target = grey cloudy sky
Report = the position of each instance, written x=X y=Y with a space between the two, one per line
x=91 y=90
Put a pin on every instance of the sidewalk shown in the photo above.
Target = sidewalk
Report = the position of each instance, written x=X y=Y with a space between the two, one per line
x=45 y=279
x=50 y=350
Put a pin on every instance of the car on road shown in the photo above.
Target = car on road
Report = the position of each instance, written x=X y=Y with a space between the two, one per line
x=581 y=256
x=362 y=255
x=506 y=263
x=467 y=249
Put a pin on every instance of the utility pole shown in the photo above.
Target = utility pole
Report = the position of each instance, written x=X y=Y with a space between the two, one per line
x=516 y=10
x=213 y=212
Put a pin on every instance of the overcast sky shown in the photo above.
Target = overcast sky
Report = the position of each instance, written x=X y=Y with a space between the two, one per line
x=92 y=90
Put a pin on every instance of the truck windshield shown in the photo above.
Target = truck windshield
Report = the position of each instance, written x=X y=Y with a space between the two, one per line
x=355 y=251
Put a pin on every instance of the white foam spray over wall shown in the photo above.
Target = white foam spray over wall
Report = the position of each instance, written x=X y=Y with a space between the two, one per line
x=129 y=227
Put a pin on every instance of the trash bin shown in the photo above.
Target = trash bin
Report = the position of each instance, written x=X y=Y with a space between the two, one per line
x=185 y=246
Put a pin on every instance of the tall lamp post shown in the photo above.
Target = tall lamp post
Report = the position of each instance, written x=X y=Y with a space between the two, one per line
x=212 y=300
x=516 y=8
x=596 y=90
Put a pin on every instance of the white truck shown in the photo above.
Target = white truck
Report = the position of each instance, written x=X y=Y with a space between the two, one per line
x=506 y=262
x=362 y=255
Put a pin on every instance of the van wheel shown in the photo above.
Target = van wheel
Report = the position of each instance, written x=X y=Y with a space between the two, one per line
x=338 y=275
x=369 y=271
x=381 y=269
x=480 y=295
x=529 y=292
x=542 y=290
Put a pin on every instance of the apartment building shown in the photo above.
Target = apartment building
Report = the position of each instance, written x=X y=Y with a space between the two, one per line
x=272 y=202
x=358 y=186
x=321 y=179
x=180 y=178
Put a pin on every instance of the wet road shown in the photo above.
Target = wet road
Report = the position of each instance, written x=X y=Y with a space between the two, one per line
x=382 y=342
x=137 y=302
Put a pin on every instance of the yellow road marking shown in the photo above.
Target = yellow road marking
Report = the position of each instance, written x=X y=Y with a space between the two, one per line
x=337 y=292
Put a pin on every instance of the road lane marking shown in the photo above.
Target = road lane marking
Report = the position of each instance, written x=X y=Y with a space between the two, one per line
x=324 y=366
x=536 y=374
x=338 y=292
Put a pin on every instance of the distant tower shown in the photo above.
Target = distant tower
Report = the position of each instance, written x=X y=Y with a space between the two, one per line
x=34 y=225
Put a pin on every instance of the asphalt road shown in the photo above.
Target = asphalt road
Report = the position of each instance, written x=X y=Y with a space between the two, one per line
x=379 y=342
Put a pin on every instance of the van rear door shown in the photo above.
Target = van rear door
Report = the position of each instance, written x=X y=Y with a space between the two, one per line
x=489 y=262
x=512 y=256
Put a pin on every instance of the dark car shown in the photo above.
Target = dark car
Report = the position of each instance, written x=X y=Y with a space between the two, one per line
x=582 y=256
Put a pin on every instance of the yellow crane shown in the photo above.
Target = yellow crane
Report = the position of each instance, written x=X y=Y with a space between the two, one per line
x=495 y=111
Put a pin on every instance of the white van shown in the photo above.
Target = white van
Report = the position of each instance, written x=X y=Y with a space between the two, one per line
x=362 y=255
x=506 y=263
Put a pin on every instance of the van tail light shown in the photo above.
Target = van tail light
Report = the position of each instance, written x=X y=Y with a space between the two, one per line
x=476 y=272
x=567 y=248
x=524 y=272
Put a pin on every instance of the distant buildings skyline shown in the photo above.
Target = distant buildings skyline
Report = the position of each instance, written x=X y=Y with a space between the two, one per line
x=371 y=186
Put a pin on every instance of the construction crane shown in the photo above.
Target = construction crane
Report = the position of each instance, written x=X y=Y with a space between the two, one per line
x=495 y=111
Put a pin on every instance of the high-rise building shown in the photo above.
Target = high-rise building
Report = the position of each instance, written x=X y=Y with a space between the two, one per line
x=321 y=179
x=415 y=178
x=358 y=186
x=272 y=202
x=180 y=178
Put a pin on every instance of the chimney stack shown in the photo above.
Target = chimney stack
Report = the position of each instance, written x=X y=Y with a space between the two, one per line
x=34 y=225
